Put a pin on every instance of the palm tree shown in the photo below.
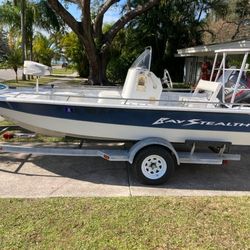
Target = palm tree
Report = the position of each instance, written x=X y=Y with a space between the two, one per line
x=24 y=33
x=13 y=16
x=14 y=59
x=3 y=45
x=43 y=49
x=23 y=16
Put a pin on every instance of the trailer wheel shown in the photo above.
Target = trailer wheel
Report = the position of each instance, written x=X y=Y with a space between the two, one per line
x=154 y=165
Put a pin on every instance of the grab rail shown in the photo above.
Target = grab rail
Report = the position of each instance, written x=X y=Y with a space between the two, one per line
x=125 y=101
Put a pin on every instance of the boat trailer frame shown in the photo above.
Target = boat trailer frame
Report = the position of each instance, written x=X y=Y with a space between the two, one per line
x=122 y=152
x=192 y=157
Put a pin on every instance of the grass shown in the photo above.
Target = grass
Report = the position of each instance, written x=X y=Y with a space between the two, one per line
x=180 y=85
x=38 y=137
x=42 y=81
x=6 y=123
x=125 y=223
x=63 y=71
x=28 y=83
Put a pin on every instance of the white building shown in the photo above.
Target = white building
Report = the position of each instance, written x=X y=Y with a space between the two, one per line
x=196 y=56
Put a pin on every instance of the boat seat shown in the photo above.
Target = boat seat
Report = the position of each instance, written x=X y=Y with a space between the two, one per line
x=109 y=97
x=207 y=99
x=141 y=87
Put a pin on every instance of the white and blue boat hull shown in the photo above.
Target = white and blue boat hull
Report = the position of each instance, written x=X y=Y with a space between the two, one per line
x=128 y=123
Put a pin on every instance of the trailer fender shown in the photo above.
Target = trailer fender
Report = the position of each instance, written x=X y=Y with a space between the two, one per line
x=150 y=142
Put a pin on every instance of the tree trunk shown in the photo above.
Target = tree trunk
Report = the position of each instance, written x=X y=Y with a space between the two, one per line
x=31 y=47
x=31 y=53
x=24 y=37
x=97 y=69
x=89 y=31
x=103 y=70
x=15 y=69
x=93 y=78
x=97 y=64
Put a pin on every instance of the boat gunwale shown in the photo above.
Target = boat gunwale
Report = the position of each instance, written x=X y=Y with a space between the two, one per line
x=223 y=108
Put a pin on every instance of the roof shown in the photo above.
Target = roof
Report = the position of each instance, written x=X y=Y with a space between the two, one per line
x=209 y=50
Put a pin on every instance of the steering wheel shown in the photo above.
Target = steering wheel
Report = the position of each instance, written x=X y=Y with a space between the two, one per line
x=166 y=80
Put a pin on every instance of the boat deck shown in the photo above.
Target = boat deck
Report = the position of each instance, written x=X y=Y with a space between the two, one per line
x=91 y=97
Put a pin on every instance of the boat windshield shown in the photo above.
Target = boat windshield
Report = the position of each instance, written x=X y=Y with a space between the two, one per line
x=144 y=60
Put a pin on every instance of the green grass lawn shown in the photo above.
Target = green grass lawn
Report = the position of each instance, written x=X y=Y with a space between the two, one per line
x=42 y=81
x=38 y=137
x=125 y=223
x=63 y=71
x=6 y=123
x=28 y=83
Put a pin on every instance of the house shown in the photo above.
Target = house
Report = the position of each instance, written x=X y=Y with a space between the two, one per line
x=198 y=60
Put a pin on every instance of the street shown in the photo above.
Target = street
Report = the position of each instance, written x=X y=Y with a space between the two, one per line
x=9 y=74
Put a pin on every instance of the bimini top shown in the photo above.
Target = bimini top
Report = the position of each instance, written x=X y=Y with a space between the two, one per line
x=233 y=51
x=209 y=49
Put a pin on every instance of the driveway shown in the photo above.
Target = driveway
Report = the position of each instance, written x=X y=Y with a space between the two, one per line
x=51 y=176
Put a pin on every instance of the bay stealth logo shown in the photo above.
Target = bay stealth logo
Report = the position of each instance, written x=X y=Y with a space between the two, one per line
x=191 y=122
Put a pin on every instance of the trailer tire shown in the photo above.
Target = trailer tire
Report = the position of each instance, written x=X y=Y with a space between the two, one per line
x=154 y=165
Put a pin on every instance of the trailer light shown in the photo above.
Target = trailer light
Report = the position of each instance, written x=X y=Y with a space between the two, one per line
x=8 y=136
x=225 y=162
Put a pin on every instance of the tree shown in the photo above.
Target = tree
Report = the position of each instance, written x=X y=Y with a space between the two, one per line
x=167 y=27
x=43 y=49
x=74 y=53
x=90 y=30
x=13 y=59
x=233 y=23
x=39 y=15
x=9 y=12
x=23 y=32
x=3 y=45
x=10 y=18
x=240 y=16
x=22 y=17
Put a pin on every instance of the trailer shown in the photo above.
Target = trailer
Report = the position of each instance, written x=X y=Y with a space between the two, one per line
x=153 y=159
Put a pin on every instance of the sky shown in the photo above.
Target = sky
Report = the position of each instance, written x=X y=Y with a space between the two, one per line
x=110 y=16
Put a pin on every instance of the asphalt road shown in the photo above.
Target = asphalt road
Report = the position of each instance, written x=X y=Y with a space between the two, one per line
x=50 y=176
x=9 y=74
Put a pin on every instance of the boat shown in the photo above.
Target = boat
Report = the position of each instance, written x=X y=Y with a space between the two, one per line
x=2 y=86
x=139 y=110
